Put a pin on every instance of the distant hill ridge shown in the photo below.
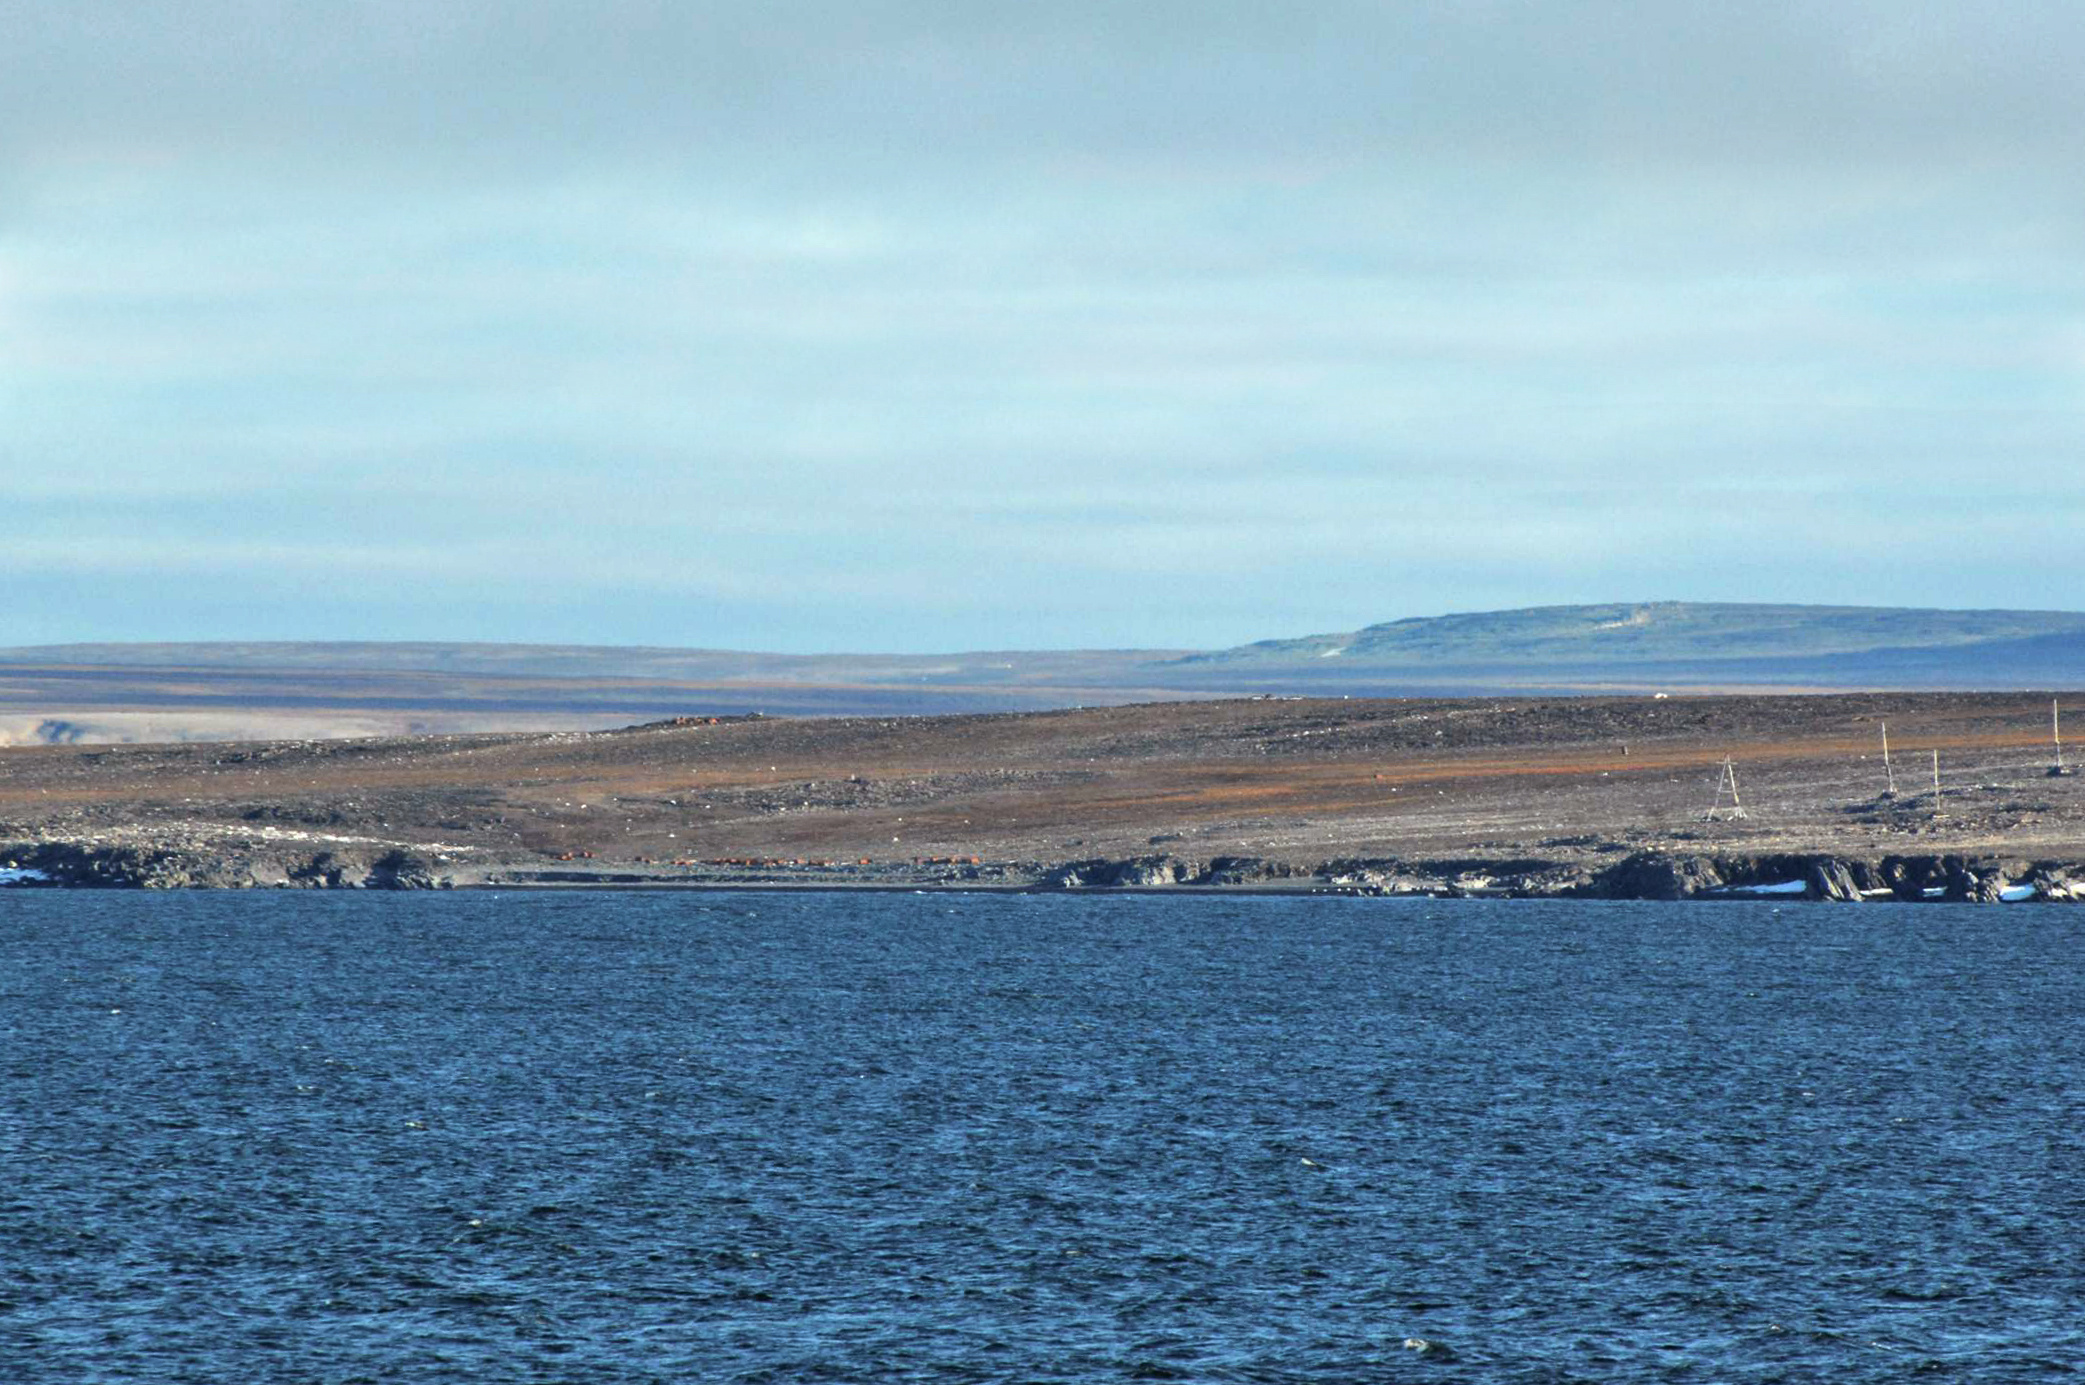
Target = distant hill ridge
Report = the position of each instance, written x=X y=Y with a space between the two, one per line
x=231 y=689
x=1574 y=636
x=1658 y=632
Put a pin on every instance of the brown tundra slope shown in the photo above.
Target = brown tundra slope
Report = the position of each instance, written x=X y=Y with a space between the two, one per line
x=1497 y=794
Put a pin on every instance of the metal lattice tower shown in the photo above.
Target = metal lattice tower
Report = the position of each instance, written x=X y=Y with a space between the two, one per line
x=1726 y=782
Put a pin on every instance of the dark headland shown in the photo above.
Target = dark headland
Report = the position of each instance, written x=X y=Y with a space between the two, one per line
x=1502 y=794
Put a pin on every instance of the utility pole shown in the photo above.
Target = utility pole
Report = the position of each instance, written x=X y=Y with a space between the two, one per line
x=1889 y=775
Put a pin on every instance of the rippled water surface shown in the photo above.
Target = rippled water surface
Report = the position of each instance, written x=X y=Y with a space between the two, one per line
x=800 y=1138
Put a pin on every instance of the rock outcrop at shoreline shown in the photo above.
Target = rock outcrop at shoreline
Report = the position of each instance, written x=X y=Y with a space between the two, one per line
x=87 y=866
x=1642 y=875
x=1950 y=878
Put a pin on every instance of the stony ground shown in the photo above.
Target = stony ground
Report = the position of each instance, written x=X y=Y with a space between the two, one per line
x=1566 y=783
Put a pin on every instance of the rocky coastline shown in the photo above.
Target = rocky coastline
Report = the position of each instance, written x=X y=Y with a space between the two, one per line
x=1626 y=875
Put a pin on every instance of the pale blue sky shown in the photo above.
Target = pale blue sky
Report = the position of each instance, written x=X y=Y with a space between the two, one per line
x=910 y=326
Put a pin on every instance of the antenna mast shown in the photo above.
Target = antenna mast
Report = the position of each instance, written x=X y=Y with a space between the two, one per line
x=1889 y=775
x=2056 y=771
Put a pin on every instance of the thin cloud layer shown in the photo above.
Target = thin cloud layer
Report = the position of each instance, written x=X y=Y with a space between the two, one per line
x=916 y=326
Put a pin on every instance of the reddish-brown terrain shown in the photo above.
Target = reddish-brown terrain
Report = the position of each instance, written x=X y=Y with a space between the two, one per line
x=1446 y=791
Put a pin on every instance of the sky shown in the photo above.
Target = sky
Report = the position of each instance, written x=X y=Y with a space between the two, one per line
x=903 y=326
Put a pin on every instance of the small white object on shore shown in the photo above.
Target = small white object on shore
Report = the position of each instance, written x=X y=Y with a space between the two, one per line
x=1782 y=887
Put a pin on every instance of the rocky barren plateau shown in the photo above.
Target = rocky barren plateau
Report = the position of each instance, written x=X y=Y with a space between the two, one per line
x=1604 y=797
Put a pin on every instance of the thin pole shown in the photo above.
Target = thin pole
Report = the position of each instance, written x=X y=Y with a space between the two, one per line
x=1936 y=774
x=2056 y=730
x=1888 y=774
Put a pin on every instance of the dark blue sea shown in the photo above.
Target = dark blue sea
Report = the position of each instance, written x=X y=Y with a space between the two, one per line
x=799 y=1138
